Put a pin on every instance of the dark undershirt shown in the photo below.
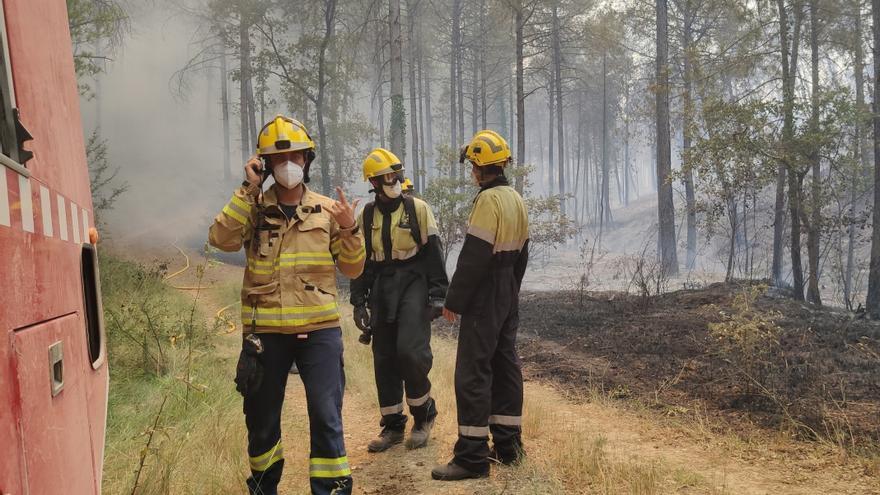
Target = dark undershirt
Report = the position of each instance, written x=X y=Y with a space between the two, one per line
x=289 y=210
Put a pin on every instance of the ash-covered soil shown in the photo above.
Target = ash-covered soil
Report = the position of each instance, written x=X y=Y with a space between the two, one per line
x=818 y=374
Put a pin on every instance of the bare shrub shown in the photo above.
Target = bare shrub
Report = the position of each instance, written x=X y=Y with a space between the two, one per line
x=645 y=273
x=589 y=254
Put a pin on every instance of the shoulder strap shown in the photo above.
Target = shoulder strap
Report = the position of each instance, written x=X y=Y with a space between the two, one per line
x=368 y=229
x=409 y=207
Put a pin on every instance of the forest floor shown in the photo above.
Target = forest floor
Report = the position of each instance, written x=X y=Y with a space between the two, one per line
x=623 y=394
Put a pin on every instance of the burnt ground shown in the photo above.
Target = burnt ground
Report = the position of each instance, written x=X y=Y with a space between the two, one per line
x=818 y=375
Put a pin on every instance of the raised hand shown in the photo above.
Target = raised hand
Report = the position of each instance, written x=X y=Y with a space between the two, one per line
x=253 y=170
x=342 y=211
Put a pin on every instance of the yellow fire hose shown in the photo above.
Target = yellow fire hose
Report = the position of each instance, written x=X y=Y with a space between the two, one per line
x=219 y=315
x=229 y=323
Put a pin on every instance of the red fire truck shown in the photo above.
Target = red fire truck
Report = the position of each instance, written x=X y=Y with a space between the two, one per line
x=53 y=369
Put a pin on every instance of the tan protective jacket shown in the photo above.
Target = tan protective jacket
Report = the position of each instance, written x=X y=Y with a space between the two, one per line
x=289 y=284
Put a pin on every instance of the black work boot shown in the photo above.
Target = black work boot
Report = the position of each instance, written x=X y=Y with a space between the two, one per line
x=454 y=472
x=420 y=434
x=387 y=439
x=423 y=417
x=512 y=458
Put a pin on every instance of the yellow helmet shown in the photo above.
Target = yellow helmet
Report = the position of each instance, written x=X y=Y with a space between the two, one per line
x=487 y=148
x=407 y=185
x=380 y=162
x=283 y=134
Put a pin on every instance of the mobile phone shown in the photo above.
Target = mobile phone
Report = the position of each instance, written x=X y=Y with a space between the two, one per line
x=266 y=172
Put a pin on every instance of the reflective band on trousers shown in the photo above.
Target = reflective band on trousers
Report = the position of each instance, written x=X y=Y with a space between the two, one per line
x=395 y=409
x=473 y=431
x=264 y=461
x=497 y=419
x=418 y=402
x=329 y=468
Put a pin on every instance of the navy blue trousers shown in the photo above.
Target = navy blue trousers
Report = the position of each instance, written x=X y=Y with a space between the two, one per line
x=318 y=355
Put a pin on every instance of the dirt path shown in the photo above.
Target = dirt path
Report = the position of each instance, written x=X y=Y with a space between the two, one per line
x=574 y=447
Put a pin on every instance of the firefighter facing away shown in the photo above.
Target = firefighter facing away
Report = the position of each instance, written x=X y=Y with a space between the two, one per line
x=485 y=292
x=294 y=239
x=395 y=299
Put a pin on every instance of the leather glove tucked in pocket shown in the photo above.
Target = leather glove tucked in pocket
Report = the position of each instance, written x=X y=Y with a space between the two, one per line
x=362 y=317
x=249 y=371
x=435 y=307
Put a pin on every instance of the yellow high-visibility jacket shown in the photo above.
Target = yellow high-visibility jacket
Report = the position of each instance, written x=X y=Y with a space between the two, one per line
x=497 y=241
x=289 y=284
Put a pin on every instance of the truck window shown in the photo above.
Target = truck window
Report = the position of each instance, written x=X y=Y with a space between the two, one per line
x=12 y=132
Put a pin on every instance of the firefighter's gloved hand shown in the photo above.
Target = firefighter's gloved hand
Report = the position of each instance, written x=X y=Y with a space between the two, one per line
x=249 y=371
x=362 y=320
x=362 y=317
x=435 y=307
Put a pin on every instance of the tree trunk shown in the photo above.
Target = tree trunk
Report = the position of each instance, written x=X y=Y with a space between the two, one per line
x=398 y=114
x=521 y=97
x=665 y=205
x=429 y=120
x=551 y=105
x=482 y=65
x=795 y=176
x=243 y=73
x=413 y=101
x=379 y=63
x=329 y=23
x=453 y=83
x=511 y=115
x=688 y=125
x=247 y=80
x=421 y=181
x=815 y=224
x=782 y=169
x=733 y=218
x=626 y=171
x=872 y=302
x=860 y=152
x=605 y=199
x=224 y=109
x=578 y=151
x=475 y=88
x=557 y=69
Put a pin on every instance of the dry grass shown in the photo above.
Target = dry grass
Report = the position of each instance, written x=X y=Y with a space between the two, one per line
x=561 y=457
x=198 y=446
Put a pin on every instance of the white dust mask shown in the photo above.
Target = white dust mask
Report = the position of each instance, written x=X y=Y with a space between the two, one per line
x=288 y=174
x=392 y=192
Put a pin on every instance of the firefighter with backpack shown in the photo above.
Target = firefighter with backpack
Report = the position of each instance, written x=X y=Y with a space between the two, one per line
x=402 y=289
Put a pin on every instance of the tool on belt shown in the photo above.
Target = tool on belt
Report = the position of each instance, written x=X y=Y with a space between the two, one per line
x=249 y=371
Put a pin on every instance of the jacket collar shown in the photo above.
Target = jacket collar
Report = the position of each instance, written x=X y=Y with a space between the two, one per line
x=497 y=181
x=309 y=198
x=389 y=206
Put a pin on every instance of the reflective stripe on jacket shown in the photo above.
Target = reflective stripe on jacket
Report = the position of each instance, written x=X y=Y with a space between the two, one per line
x=289 y=283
